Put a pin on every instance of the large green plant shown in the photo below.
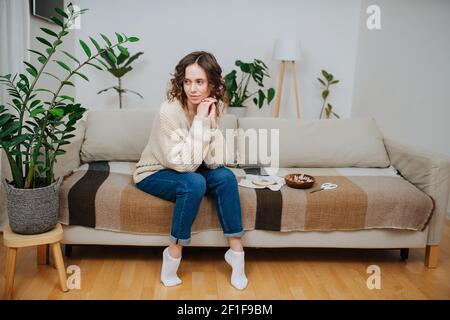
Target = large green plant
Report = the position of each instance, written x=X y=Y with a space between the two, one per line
x=34 y=130
x=238 y=93
x=120 y=65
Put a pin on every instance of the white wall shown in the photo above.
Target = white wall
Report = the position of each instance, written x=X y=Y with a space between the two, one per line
x=231 y=30
x=403 y=70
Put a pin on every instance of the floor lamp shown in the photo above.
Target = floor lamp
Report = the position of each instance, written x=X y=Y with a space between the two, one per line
x=286 y=51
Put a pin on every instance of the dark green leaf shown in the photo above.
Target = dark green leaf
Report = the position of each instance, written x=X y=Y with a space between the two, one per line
x=261 y=98
x=44 y=41
x=37 y=111
x=24 y=79
x=111 y=56
x=95 y=66
x=132 y=58
x=322 y=82
x=62 y=13
x=57 y=112
x=9 y=129
x=106 y=40
x=49 y=51
x=53 y=76
x=71 y=57
x=50 y=32
x=67 y=98
x=59 y=152
x=101 y=61
x=5 y=118
x=270 y=94
x=63 y=65
x=133 y=39
x=119 y=37
x=44 y=90
x=334 y=81
x=18 y=140
x=34 y=104
x=81 y=75
x=57 y=21
x=31 y=70
x=123 y=51
x=68 y=83
x=325 y=94
x=42 y=60
x=36 y=52
x=120 y=72
x=85 y=48
x=95 y=43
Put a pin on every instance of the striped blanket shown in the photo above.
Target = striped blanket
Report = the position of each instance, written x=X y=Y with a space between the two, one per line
x=102 y=195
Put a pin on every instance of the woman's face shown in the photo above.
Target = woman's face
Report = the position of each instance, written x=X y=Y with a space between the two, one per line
x=195 y=84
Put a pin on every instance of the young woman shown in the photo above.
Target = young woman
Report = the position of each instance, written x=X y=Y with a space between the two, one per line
x=177 y=164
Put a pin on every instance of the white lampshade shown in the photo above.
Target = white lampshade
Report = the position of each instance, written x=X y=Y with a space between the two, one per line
x=286 y=49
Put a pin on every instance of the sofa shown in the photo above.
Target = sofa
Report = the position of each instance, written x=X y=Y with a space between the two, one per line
x=390 y=195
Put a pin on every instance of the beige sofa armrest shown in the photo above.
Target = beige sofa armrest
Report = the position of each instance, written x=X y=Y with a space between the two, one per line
x=428 y=171
x=69 y=161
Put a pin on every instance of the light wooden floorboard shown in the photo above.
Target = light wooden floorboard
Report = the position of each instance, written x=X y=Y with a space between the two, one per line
x=285 y=273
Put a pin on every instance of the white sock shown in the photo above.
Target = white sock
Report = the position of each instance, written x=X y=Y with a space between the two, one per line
x=169 y=269
x=236 y=260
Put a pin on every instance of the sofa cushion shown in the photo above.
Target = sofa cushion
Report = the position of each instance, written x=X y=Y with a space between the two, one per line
x=121 y=135
x=102 y=195
x=355 y=142
x=116 y=135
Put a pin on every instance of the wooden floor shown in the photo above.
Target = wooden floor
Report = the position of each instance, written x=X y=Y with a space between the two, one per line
x=133 y=273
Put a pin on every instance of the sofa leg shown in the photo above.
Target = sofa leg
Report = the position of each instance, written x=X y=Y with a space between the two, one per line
x=431 y=256
x=68 y=250
x=404 y=253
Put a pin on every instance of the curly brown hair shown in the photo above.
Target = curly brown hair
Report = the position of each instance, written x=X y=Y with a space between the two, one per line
x=213 y=72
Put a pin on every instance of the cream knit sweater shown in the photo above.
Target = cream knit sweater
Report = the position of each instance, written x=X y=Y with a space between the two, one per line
x=176 y=144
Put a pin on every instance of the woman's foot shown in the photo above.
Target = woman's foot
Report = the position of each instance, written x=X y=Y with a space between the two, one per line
x=169 y=269
x=236 y=260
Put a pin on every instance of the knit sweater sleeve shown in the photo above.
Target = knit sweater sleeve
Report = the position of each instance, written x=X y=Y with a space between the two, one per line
x=183 y=150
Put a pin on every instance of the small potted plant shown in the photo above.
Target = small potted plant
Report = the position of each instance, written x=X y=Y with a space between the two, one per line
x=326 y=83
x=120 y=65
x=38 y=122
x=238 y=93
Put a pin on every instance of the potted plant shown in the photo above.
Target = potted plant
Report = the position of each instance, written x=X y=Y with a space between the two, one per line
x=326 y=83
x=238 y=93
x=34 y=129
x=120 y=66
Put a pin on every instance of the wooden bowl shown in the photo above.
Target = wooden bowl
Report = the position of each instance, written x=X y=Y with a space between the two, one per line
x=299 y=180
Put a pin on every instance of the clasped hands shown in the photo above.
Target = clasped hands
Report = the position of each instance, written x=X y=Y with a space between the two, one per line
x=207 y=108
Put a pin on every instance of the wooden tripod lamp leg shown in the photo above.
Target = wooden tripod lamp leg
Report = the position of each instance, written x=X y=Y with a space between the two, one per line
x=280 y=85
x=297 y=99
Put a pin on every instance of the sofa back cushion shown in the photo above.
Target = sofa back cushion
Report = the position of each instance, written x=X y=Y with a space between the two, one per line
x=121 y=135
x=354 y=142
x=116 y=135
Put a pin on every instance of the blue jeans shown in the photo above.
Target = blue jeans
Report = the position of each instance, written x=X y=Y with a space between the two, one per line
x=187 y=189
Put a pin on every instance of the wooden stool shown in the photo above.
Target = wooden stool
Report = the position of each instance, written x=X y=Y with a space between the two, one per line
x=13 y=241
